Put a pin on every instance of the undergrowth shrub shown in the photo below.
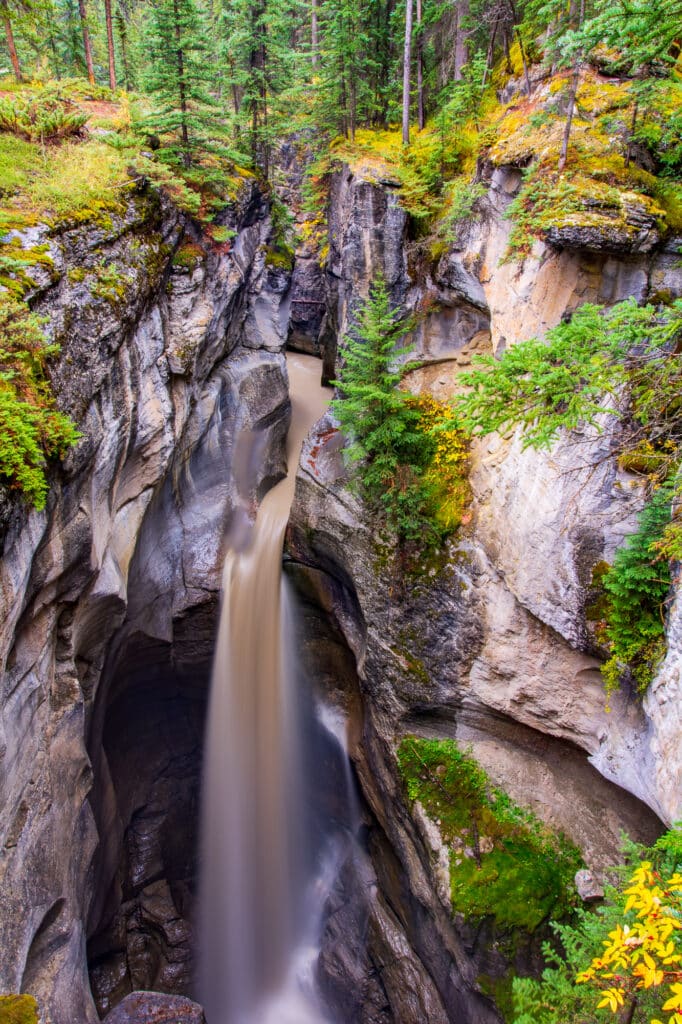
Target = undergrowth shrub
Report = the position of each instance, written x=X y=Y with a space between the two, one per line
x=622 y=961
x=624 y=362
x=41 y=117
x=32 y=430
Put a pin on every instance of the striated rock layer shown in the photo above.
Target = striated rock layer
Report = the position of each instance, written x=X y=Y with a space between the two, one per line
x=109 y=601
x=108 y=597
x=492 y=645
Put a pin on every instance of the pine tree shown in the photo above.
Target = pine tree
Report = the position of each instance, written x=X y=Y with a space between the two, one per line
x=381 y=422
x=178 y=76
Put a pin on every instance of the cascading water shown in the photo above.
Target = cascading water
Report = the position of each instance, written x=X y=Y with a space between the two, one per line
x=255 y=918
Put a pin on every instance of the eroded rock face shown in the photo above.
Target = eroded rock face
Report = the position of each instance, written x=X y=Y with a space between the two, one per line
x=492 y=646
x=451 y=653
x=163 y=375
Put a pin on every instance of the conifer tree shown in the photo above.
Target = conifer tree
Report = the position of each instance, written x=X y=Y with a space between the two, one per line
x=178 y=75
x=381 y=422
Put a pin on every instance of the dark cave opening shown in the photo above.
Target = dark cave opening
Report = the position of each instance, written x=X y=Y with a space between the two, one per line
x=147 y=742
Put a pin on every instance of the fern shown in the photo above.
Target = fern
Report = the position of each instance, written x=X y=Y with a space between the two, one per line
x=44 y=118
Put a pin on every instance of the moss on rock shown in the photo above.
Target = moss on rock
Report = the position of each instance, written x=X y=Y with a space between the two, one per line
x=504 y=862
x=18 y=1010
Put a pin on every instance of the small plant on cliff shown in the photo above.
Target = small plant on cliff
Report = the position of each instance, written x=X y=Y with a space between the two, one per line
x=31 y=428
x=636 y=587
x=18 y=1010
x=380 y=422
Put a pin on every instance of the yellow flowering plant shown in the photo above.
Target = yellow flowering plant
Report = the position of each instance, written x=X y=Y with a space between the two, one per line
x=447 y=472
x=644 y=953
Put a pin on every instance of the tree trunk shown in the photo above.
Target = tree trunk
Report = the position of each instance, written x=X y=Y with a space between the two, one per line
x=110 y=44
x=407 y=59
x=343 y=97
x=461 y=47
x=352 y=106
x=628 y=1013
x=314 y=37
x=522 y=49
x=571 y=99
x=523 y=59
x=123 y=40
x=631 y=137
x=86 y=42
x=180 y=58
x=265 y=149
x=420 y=69
x=9 y=35
x=569 y=118
x=491 y=52
x=236 y=98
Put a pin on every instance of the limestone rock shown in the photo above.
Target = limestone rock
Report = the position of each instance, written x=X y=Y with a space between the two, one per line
x=589 y=888
x=155 y=1008
x=126 y=557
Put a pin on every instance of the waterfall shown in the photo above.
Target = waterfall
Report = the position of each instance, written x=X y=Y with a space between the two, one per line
x=254 y=916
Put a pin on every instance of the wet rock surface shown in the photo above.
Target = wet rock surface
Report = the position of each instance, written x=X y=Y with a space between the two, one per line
x=162 y=387
x=154 y=1008
x=490 y=646
x=109 y=600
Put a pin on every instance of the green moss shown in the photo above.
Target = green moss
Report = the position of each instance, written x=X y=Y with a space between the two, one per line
x=77 y=275
x=110 y=284
x=188 y=257
x=597 y=188
x=500 y=990
x=18 y=1010
x=221 y=233
x=279 y=257
x=504 y=862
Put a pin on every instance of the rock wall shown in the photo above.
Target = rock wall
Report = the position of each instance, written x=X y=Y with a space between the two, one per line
x=490 y=647
x=109 y=599
x=162 y=369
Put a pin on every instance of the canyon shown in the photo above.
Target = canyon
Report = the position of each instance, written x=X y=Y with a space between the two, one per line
x=110 y=598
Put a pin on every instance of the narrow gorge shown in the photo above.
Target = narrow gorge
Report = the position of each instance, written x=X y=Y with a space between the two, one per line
x=232 y=820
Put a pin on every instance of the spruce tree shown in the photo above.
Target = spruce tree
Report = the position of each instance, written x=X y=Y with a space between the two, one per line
x=381 y=422
x=178 y=75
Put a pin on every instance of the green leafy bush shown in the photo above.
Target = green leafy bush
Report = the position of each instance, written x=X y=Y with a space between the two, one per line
x=623 y=361
x=620 y=361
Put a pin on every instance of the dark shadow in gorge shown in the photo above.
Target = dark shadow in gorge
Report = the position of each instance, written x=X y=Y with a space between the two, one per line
x=146 y=746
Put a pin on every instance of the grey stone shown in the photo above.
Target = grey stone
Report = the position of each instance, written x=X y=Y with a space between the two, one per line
x=589 y=888
x=154 y=1008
